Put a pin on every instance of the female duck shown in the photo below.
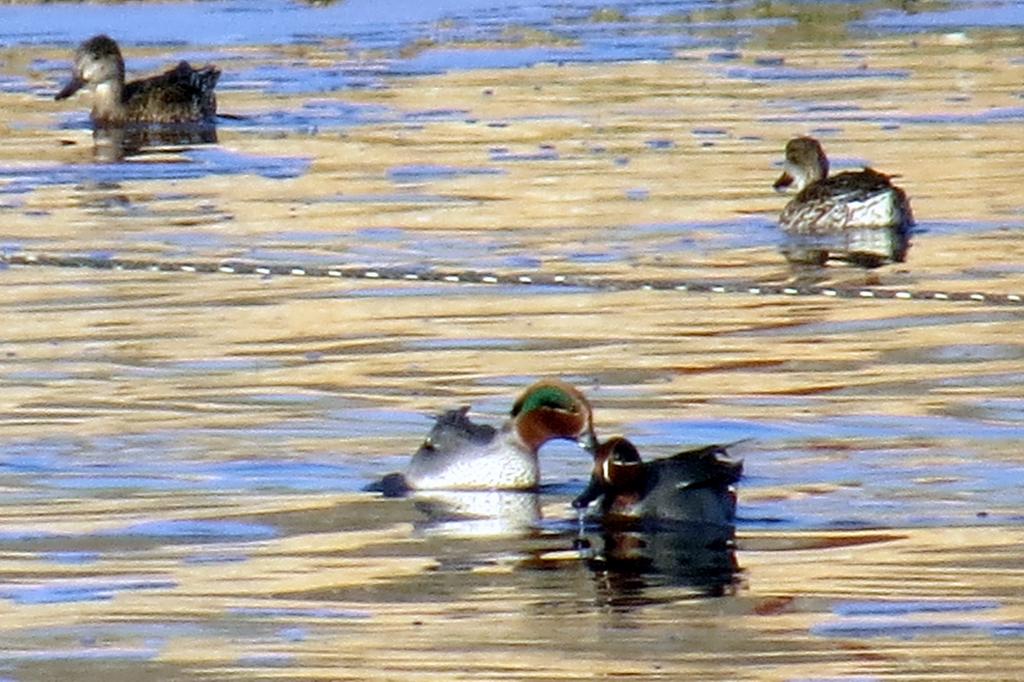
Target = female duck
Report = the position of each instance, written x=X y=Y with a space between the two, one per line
x=859 y=216
x=181 y=95
x=459 y=454
x=693 y=487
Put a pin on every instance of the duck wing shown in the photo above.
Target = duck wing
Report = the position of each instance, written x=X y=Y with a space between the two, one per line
x=852 y=199
x=454 y=431
x=707 y=466
x=180 y=95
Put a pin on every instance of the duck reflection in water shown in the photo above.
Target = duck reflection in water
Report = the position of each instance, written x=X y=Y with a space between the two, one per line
x=119 y=143
x=477 y=513
x=626 y=562
x=673 y=518
x=177 y=107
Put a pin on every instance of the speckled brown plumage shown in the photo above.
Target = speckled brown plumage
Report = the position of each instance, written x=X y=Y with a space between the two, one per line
x=865 y=218
x=180 y=95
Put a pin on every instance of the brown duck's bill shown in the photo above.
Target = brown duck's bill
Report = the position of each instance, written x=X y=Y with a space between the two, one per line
x=73 y=86
x=784 y=181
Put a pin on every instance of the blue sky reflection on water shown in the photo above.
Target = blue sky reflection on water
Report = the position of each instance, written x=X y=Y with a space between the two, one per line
x=198 y=446
x=372 y=25
x=389 y=26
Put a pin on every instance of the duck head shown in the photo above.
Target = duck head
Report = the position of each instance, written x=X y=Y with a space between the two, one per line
x=618 y=470
x=551 y=409
x=98 y=61
x=805 y=163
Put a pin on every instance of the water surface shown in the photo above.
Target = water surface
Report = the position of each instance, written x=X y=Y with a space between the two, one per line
x=182 y=455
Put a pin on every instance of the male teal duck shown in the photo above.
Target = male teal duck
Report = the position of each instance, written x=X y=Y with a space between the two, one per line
x=693 y=487
x=180 y=95
x=459 y=454
x=857 y=216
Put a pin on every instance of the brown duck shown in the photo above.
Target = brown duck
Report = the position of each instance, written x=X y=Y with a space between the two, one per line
x=181 y=95
x=858 y=216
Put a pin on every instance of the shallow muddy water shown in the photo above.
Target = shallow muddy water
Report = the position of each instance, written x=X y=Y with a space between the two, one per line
x=182 y=454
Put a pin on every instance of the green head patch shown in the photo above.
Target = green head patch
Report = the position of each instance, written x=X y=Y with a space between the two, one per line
x=552 y=397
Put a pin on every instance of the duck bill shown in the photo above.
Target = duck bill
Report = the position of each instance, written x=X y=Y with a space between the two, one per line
x=593 y=491
x=784 y=181
x=73 y=86
x=588 y=441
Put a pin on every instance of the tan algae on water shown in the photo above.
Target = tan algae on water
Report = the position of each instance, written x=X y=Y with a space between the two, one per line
x=138 y=407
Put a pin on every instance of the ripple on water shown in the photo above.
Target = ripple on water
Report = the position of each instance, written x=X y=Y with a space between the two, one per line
x=312 y=116
x=956 y=353
x=425 y=172
x=305 y=78
x=65 y=591
x=975 y=15
x=265 y=478
x=100 y=653
x=445 y=60
x=71 y=558
x=807 y=74
x=175 y=529
x=543 y=153
x=835 y=327
x=302 y=614
x=900 y=628
x=893 y=607
x=1000 y=409
x=202 y=162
